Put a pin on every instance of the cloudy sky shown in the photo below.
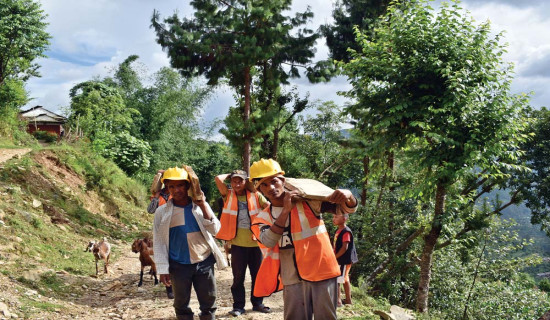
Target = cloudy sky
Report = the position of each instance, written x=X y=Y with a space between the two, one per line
x=91 y=37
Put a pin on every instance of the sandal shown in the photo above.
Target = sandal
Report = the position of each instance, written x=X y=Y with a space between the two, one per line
x=261 y=308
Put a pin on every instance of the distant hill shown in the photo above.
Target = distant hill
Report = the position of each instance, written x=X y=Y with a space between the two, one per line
x=522 y=215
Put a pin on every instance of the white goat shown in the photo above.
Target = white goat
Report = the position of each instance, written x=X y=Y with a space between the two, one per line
x=101 y=251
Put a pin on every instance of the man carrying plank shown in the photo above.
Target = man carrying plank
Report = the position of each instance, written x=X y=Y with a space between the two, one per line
x=300 y=255
x=185 y=250
x=239 y=209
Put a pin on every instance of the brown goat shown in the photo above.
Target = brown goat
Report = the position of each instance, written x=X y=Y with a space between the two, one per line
x=145 y=253
x=101 y=251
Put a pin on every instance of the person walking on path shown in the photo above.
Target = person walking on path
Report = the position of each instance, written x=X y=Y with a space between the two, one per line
x=158 y=198
x=239 y=208
x=300 y=259
x=346 y=255
x=185 y=250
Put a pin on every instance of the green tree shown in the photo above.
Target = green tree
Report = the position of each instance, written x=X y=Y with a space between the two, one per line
x=434 y=88
x=23 y=38
x=12 y=97
x=234 y=41
x=96 y=107
x=347 y=15
x=534 y=185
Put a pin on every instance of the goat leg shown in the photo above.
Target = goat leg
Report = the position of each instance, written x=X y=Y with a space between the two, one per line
x=154 y=272
x=96 y=269
x=107 y=263
x=140 y=278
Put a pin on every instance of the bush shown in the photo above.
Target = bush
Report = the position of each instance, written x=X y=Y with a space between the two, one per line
x=45 y=136
x=128 y=152
x=544 y=285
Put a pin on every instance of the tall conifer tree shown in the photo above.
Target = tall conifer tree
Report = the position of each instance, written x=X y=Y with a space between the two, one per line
x=234 y=40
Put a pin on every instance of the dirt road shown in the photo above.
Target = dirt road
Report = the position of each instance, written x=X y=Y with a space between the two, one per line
x=6 y=154
x=116 y=296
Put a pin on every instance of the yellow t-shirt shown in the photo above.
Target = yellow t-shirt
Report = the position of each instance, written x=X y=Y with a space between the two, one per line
x=245 y=237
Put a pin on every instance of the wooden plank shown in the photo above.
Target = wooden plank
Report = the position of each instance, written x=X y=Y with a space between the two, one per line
x=195 y=191
x=156 y=185
x=308 y=188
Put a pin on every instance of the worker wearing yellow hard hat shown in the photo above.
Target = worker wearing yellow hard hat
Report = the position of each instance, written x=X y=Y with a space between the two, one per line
x=184 y=246
x=298 y=245
x=240 y=206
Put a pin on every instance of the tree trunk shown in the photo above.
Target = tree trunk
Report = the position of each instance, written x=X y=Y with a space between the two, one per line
x=400 y=248
x=275 y=147
x=246 y=116
x=430 y=241
x=391 y=223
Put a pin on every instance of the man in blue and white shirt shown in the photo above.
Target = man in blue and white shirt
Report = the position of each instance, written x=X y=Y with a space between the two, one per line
x=185 y=251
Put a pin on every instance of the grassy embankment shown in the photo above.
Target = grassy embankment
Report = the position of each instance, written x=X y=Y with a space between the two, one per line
x=54 y=200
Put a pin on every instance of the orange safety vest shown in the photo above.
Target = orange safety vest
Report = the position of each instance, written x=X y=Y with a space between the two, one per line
x=315 y=259
x=162 y=201
x=230 y=212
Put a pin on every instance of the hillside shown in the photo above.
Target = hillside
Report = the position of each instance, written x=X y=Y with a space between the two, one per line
x=52 y=202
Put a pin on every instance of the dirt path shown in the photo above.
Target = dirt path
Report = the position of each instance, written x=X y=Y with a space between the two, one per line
x=6 y=154
x=116 y=296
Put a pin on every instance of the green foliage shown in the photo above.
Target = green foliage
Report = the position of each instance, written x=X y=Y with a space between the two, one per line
x=45 y=136
x=128 y=152
x=347 y=15
x=236 y=42
x=534 y=185
x=433 y=97
x=12 y=97
x=23 y=38
x=223 y=40
x=452 y=110
x=485 y=267
x=96 y=108
x=544 y=285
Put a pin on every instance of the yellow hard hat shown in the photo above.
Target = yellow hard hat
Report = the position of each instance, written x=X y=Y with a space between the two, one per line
x=265 y=168
x=175 y=174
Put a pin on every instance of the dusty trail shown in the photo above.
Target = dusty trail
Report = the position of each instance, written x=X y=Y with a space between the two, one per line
x=6 y=154
x=116 y=295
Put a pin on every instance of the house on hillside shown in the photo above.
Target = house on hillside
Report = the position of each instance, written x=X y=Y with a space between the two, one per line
x=42 y=119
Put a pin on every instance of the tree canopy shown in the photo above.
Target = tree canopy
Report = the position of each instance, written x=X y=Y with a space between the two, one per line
x=433 y=87
x=23 y=38
x=235 y=41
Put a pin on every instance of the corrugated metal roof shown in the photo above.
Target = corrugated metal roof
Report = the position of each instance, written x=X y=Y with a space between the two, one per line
x=42 y=114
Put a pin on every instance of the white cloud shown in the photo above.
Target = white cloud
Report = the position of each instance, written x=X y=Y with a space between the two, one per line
x=526 y=32
x=90 y=38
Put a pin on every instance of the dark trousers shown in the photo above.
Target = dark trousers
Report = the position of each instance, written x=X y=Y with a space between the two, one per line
x=242 y=257
x=201 y=277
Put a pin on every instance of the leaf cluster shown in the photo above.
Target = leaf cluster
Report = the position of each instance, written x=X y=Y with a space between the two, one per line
x=23 y=38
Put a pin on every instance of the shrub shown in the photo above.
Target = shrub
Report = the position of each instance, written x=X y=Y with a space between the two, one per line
x=544 y=285
x=45 y=136
x=128 y=152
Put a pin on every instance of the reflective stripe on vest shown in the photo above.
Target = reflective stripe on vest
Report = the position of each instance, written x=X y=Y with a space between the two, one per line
x=230 y=212
x=315 y=260
x=268 y=279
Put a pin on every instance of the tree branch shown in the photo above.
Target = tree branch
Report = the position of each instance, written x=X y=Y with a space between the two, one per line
x=382 y=266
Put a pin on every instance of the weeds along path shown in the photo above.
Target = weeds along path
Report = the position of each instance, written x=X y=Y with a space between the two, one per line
x=116 y=295
x=6 y=154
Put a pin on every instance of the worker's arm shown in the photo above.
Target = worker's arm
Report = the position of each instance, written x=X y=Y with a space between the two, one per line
x=342 y=250
x=222 y=187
